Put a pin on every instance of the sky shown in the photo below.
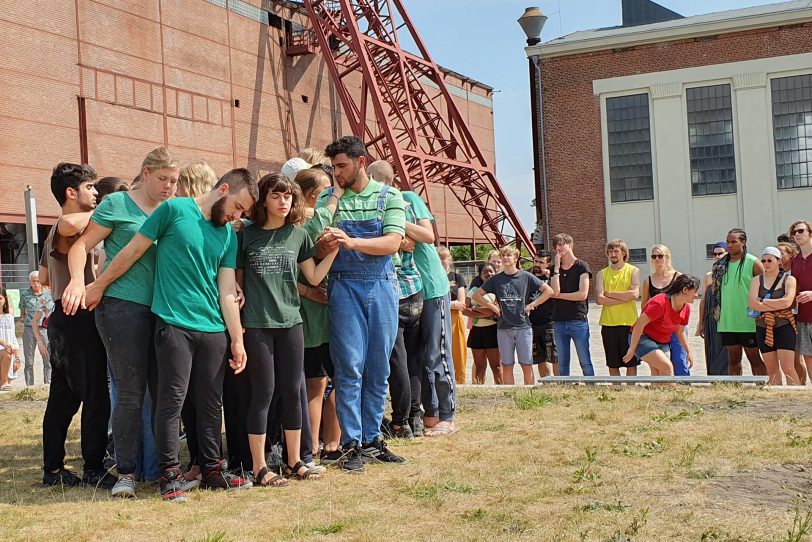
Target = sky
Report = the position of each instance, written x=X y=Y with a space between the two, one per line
x=481 y=39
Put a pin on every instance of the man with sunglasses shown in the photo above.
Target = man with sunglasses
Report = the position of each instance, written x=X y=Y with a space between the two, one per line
x=715 y=352
x=801 y=232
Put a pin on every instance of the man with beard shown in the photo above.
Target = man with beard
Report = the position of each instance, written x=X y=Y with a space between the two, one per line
x=78 y=359
x=617 y=287
x=195 y=243
x=363 y=300
x=544 y=354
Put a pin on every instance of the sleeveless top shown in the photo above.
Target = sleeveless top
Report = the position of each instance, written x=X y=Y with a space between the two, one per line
x=778 y=293
x=653 y=290
x=735 y=292
x=623 y=314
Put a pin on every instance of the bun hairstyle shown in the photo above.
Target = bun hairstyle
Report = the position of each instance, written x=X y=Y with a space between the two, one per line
x=681 y=283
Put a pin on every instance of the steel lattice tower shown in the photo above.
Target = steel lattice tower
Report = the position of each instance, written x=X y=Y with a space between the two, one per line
x=425 y=138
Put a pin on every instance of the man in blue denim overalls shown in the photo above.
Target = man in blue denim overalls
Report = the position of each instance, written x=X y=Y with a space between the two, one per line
x=363 y=300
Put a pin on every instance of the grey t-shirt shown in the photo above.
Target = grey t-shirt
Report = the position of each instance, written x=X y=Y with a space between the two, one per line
x=57 y=263
x=512 y=293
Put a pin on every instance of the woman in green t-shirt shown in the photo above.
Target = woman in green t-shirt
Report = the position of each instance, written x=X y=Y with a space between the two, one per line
x=272 y=251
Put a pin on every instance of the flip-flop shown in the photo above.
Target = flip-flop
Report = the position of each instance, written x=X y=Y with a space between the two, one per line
x=5 y=387
x=440 y=432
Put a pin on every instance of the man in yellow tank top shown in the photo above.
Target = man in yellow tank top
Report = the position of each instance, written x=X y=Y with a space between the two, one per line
x=617 y=288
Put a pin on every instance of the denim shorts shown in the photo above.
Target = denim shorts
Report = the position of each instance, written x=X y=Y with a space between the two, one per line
x=647 y=345
x=515 y=341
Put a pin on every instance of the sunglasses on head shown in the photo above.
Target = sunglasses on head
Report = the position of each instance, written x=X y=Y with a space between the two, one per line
x=657 y=256
x=798 y=231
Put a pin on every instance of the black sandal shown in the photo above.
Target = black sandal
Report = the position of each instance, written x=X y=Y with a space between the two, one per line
x=276 y=481
x=293 y=472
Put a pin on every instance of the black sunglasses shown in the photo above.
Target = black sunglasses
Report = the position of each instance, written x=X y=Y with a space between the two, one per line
x=657 y=256
x=799 y=230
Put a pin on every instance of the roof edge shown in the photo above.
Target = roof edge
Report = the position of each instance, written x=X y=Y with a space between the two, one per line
x=642 y=35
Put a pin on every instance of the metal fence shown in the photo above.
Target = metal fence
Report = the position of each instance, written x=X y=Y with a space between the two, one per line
x=14 y=275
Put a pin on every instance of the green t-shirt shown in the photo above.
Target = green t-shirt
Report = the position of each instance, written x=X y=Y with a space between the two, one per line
x=270 y=262
x=735 y=291
x=191 y=249
x=315 y=316
x=364 y=206
x=120 y=214
x=435 y=280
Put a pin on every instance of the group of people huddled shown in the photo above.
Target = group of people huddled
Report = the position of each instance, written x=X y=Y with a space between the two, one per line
x=289 y=306
x=285 y=307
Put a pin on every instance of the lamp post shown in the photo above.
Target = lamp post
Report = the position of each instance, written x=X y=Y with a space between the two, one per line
x=532 y=22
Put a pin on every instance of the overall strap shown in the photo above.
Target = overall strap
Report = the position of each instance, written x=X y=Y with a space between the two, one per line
x=382 y=198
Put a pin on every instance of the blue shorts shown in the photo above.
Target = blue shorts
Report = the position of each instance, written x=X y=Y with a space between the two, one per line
x=647 y=345
x=515 y=341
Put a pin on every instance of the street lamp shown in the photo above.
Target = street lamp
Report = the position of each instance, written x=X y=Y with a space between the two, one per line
x=532 y=22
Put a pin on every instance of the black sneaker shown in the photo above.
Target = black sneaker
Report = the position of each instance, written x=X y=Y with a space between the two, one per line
x=351 y=460
x=404 y=431
x=377 y=452
x=172 y=485
x=64 y=478
x=220 y=478
x=330 y=458
x=99 y=479
x=386 y=428
x=417 y=426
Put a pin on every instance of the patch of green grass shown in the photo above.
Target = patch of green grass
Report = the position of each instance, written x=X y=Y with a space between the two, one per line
x=493 y=427
x=456 y=487
x=683 y=414
x=646 y=449
x=25 y=394
x=701 y=474
x=475 y=515
x=632 y=530
x=219 y=536
x=532 y=399
x=599 y=506
x=797 y=441
x=735 y=403
x=588 y=471
x=689 y=453
x=605 y=397
x=801 y=525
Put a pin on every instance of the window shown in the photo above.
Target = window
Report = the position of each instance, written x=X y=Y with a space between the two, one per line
x=637 y=255
x=709 y=251
x=627 y=124
x=792 y=130
x=710 y=138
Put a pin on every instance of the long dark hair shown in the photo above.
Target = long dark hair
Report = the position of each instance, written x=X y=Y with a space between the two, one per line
x=683 y=282
x=743 y=236
x=482 y=267
x=4 y=293
x=276 y=182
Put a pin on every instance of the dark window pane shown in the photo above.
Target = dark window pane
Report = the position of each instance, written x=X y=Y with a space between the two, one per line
x=637 y=255
x=710 y=129
x=627 y=123
x=792 y=130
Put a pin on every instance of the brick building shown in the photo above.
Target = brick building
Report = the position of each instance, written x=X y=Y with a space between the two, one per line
x=105 y=81
x=676 y=131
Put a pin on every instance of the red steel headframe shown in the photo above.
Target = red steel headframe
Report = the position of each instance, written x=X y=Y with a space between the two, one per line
x=424 y=136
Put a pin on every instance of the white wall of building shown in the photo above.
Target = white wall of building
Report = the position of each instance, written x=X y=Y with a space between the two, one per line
x=687 y=223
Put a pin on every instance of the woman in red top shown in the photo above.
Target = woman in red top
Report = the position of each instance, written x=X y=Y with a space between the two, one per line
x=663 y=315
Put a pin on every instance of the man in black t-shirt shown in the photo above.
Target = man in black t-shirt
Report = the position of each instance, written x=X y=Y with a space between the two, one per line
x=544 y=353
x=570 y=282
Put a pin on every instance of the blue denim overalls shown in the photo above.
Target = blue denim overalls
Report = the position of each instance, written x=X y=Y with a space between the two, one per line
x=363 y=304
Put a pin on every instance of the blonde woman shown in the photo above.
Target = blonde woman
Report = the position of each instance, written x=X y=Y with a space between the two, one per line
x=195 y=179
x=124 y=318
x=662 y=276
x=313 y=156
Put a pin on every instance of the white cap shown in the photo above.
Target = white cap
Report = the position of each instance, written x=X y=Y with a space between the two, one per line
x=772 y=251
x=294 y=166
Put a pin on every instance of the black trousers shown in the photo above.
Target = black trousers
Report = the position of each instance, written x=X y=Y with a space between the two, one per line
x=79 y=377
x=236 y=396
x=189 y=361
x=405 y=362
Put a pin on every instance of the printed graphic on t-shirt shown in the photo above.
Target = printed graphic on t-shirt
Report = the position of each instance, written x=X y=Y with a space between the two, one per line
x=274 y=260
x=509 y=296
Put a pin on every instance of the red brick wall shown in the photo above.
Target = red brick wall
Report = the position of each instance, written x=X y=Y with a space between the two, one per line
x=164 y=73
x=572 y=123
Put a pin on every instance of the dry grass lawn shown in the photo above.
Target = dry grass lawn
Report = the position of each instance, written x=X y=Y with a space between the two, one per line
x=717 y=464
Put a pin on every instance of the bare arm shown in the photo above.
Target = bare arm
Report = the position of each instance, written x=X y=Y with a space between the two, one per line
x=683 y=340
x=790 y=286
x=644 y=295
x=385 y=245
x=43 y=276
x=637 y=332
x=315 y=273
x=479 y=299
x=757 y=268
x=72 y=224
x=74 y=295
x=581 y=294
x=421 y=232
x=230 y=309
x=546 y=293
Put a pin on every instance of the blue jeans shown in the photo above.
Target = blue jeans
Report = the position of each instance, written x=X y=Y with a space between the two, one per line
x=578 y=331
x=364 y=315
x=679 y=357
x=439 y=391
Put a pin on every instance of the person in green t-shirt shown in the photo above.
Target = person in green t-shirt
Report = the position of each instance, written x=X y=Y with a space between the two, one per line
x=126 y=323
x=731 y=276
x=195 y=301
x=271 y=251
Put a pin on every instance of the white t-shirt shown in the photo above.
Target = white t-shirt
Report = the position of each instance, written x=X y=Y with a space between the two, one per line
x=7 y=332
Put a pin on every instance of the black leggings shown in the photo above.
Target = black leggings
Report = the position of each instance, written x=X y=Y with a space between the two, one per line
x=274 y=355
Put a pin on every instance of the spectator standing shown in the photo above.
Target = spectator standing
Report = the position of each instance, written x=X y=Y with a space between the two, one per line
x=715 y=352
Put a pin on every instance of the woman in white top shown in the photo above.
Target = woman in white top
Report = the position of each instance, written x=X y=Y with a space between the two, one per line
x=9 y=347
